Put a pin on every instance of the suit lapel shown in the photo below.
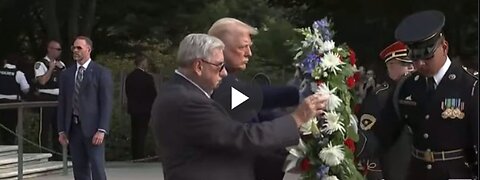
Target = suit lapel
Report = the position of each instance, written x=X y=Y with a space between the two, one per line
x=87 y=75
x=70 y=82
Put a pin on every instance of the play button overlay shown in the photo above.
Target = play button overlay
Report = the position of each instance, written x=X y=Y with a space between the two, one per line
x=237 y=97
x=241 y=100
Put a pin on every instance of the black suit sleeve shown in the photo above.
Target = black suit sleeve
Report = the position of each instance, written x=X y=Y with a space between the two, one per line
x=207 y=126
x=276 y=97
x=150 y=89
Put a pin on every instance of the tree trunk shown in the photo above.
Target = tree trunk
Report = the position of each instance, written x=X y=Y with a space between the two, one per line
x=50 y=20
x=89 y=19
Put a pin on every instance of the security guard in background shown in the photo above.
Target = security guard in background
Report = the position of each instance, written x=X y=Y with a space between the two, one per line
x=439 y=102
x=13 y=83
x=377 y=163
x=47 y=71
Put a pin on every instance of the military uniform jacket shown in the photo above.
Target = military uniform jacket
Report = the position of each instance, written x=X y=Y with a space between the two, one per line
x=444 y=120
x=376 y=161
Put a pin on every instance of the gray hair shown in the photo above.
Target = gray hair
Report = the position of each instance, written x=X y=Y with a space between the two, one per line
x=226 y=25
x=197 y=46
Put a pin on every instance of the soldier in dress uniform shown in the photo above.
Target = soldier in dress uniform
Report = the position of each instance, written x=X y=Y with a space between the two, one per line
x=439 y=102
x=373 y=162
x=47 y=71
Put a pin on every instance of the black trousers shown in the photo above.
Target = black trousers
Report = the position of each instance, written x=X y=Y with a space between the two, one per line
x=270 y=167
x=48 y=134
x=139 y=133
x=8 y=118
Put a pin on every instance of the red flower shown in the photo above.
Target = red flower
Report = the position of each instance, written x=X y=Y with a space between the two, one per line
x=353 y=56
x=351 y=82
x=350 y=144
x=356 y=76
x=305 y=165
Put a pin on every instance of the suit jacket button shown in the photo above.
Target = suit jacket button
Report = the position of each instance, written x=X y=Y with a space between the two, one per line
x=425 y=136
x=406 y=116
x=427 y=116
x=429 y=166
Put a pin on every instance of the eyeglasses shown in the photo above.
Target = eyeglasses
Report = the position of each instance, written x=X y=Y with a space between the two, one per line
x=221 y=65
x=76 y=48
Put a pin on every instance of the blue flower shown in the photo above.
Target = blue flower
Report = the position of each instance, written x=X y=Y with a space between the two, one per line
x=323 y=26
x=322 y=171
x=310 y=62
x=320 y=24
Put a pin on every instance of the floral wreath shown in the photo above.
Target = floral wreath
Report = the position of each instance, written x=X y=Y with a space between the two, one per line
x=326 y=148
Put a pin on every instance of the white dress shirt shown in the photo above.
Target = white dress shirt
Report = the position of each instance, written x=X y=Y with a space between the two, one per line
x=438 y=77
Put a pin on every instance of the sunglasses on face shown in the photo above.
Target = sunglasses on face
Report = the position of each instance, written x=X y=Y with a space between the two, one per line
x=221 y=65
x=76 y=48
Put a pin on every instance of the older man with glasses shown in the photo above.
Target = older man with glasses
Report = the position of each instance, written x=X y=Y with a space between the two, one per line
x=199 y=137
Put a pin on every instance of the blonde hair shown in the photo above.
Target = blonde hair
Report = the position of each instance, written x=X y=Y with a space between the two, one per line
x=226 y=26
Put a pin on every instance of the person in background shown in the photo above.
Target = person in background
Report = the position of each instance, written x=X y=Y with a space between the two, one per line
x=47 y=72
x=374 y=161
x=13 y=86
x=84 y=111
x=141 y=92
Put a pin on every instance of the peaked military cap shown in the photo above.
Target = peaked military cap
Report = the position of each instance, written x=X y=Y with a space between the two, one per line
x=397 y=50
x=420 y=32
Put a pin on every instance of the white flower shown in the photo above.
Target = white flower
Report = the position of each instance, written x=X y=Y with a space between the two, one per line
x=332 y=123
x=299 y=150
x=329 y=178
x=310 y=127
x=333 y=100
x=331 y=61
x=332 y=155
x=296 y=155
x=354 y=123
x=327 y=46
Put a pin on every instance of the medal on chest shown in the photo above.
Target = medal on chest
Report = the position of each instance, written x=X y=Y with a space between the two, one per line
x=452 y=108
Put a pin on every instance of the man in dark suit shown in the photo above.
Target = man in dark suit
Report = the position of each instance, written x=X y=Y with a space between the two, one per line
x=84 y=110
x=237 y=38
x=200 y=139
x=140 y=90
x=439 y=102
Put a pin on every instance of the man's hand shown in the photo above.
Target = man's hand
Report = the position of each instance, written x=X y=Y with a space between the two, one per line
x=98 y=138
x=63 y=139
x=52 y=64
x=311 y=107
x=58 y=64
